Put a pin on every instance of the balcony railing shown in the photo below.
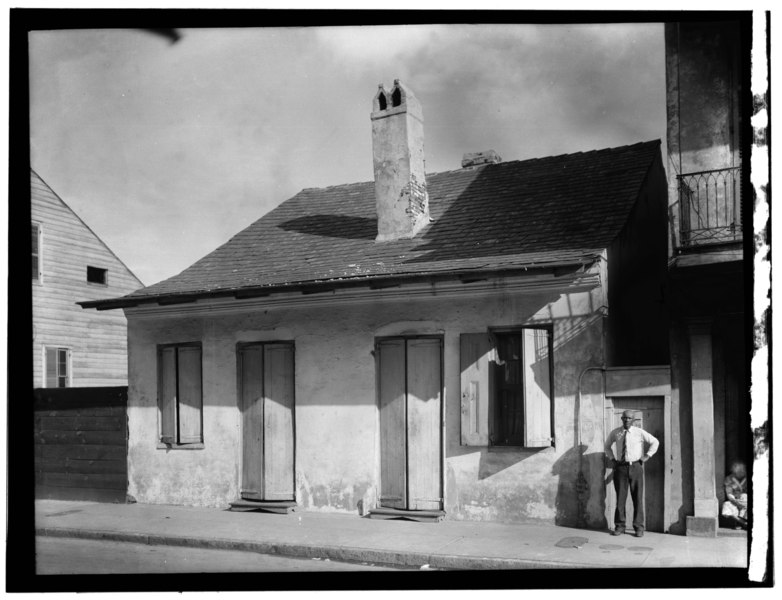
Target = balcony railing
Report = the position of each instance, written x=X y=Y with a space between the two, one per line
x=709 y=208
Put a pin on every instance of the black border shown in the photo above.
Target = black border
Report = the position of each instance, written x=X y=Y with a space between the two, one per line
x=20 y=548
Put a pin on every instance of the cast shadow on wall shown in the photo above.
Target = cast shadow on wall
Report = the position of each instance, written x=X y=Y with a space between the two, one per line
x=582 y=480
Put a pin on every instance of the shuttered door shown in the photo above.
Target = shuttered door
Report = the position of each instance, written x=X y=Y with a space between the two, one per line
x=393 y=454
x=423 y=424
x=278 y=422
x=251 y=376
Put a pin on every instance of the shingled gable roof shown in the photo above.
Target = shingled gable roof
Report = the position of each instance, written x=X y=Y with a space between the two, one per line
x=545 y=212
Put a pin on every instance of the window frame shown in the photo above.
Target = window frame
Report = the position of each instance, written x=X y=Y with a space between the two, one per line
x=68 y=366
x=479 y=412
x=38 y=253
x=177 y=442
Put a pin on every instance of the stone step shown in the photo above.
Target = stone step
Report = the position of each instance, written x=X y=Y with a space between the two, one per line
x=422 y=516
x=279 y=507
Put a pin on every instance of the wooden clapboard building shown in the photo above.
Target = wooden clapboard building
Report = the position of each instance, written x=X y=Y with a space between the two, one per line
x=453 y=344
x=72 y=348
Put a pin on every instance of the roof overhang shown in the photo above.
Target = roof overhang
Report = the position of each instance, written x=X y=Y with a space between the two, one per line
x=549 y=275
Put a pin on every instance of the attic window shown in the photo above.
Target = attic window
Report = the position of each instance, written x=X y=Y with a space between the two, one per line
x=381 y=100
x=396 y=97
x=98 y=275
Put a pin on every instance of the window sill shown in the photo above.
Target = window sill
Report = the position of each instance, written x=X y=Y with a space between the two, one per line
x=162 y=446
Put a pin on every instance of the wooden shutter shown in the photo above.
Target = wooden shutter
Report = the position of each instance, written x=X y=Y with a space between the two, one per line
x=63 y=367
x=423 y=424
x=251 y=365
x=537 y=388
x=278 y=422
x=190 y=401
x=393 y=451
x=36 y=253
x=476 y=388
x=51 y=367
x=167 y=394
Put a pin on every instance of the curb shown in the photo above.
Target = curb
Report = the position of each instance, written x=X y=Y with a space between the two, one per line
x=349 y=554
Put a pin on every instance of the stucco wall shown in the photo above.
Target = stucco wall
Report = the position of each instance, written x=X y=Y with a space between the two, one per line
x=336 y=412
x=702 y=80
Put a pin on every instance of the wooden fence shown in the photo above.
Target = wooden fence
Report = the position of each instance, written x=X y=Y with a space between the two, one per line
x=81 y=443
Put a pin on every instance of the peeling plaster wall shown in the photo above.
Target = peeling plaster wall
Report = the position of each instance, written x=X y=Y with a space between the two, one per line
x=703 y=79
x=336 y=414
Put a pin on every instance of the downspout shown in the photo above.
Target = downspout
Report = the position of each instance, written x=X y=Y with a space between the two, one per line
x=582 y=485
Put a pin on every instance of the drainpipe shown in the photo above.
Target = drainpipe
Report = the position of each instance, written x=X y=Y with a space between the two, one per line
x=582 y=486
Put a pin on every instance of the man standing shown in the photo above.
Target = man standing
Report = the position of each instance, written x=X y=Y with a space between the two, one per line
x=629 y=470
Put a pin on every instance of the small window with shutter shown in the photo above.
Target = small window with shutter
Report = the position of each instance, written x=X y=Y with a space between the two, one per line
x=506 y=388
x=57 y=367
x=180 y=401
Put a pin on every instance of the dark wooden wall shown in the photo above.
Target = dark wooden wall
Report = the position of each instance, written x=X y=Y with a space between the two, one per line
x=81 y=443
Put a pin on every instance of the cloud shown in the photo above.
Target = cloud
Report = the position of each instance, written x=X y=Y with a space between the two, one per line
x=372 y=44
x=178 y=147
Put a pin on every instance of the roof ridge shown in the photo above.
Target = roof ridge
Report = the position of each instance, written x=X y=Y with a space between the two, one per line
x=501 y=164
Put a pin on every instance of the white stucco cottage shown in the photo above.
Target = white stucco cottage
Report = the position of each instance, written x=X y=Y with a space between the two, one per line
x=452 y=344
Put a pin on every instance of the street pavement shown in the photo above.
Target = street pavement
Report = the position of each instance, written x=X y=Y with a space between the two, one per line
x=462 y=545
x=71 y=556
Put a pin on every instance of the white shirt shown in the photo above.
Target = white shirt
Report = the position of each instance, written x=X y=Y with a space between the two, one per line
x=635 y=437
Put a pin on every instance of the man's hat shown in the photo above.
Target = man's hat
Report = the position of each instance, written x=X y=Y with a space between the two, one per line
x=629 y=414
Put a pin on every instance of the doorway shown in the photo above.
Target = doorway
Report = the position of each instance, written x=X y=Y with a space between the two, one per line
x=266 y=393
x=649 y=412
x=410 y=405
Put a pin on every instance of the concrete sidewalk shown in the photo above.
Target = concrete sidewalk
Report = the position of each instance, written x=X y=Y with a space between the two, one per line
x=446 y=545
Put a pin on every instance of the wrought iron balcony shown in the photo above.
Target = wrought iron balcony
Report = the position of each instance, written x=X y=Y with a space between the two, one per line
x=708 y=210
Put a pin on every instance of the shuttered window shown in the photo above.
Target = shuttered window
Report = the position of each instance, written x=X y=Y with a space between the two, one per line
x=180 y=400
x=36 y=251
x=57 y=367
x=506 y=388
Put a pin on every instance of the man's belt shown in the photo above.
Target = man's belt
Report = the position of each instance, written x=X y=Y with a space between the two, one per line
x=623 y=464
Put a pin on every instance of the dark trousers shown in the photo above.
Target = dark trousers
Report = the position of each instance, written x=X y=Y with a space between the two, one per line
x=629 y=477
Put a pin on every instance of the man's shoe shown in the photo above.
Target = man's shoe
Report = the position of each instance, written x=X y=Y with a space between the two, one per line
x=639 y=533
x=617 y=532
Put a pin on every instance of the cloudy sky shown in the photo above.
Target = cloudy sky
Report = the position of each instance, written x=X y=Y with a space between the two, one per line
x=167 y=150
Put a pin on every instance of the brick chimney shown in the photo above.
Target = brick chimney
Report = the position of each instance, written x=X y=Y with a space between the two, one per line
x=398 y=155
